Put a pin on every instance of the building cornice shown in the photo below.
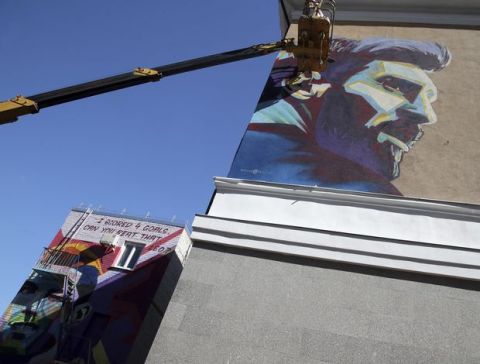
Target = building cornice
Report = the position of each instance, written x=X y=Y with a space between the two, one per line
x=441 y=13
x=430 y=237
x=443 y=209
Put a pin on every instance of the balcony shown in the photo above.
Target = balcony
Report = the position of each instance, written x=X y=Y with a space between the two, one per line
x=57 y=262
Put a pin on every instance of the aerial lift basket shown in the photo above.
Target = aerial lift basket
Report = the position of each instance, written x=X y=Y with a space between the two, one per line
x=315 y=31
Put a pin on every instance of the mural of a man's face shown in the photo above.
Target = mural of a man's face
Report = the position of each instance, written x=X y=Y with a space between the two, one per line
x=349 y=126
x=400 y=95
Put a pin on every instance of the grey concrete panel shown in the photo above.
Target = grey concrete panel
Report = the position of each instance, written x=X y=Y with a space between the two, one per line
x=469 y=342
x=335 y=348
x=235 y=302
x=176 y=313
x=191 y=292
x=206 y=256
x=202 y=322
x=208 y=272
x=245 y=332
x=269 y=310
x=173 y=346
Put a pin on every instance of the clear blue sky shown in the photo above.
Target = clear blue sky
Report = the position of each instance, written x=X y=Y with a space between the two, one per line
x=152 y=148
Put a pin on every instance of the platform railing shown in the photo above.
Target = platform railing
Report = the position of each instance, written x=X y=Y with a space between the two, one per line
x=57 y=261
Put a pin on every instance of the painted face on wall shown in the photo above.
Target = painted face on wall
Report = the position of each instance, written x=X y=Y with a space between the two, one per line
x=401 y=95
x=349 y=126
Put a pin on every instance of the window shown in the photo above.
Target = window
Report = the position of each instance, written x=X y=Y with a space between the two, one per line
x=129 y=255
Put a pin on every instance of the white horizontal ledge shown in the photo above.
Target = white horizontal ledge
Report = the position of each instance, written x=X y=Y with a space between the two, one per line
x=378 y=216
x=443 y=209
x=408 y=256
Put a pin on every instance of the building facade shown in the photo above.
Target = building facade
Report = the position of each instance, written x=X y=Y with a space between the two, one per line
x=97 y=293
x=347 y=228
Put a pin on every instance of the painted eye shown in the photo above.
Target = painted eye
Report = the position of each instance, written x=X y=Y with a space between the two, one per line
x=390 y=84
x=407 y=89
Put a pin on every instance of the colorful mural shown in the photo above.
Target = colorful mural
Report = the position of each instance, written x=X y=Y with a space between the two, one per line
x=349 y=127
x=111 y=289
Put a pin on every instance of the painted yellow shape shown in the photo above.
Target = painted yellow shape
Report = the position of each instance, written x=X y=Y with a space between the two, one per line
x=100 y=355
x=409 y=72
x=319 y=90
x=380 y=118
x=383 y=100
x=426 y=100
x=302 y=95
x=81 y=247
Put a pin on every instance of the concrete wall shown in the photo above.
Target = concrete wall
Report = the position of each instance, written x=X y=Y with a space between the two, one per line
x=230 y=307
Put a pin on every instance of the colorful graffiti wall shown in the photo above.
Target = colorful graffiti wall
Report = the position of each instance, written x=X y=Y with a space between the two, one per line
x=349 y=127
x=112 y=289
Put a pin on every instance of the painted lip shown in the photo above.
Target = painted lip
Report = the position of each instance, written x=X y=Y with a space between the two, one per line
x=398 y=148
x=384 y=137
x=401 y=133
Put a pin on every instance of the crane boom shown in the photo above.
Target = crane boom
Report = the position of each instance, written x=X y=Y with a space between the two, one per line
x=11 y=109
x=315 y=28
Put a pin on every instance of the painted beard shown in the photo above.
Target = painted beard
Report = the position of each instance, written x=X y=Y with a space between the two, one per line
x=341 y=129
x=398 y=148
x=399 y=137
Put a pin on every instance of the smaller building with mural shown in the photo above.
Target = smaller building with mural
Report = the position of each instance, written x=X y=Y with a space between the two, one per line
x=102 y=280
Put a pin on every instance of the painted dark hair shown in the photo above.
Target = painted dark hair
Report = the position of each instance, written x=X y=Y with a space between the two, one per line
x=352 y=55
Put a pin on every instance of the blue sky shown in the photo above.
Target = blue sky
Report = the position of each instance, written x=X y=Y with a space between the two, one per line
x=152 y=148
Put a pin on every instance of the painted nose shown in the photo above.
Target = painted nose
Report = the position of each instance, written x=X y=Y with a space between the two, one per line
x=423 y=108
x=415 y=116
